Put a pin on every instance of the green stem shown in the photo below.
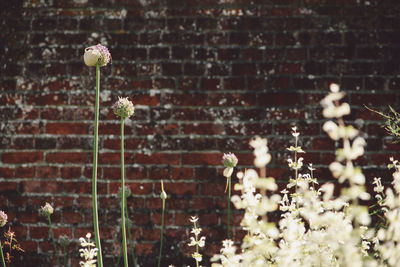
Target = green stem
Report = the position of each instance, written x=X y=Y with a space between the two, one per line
x=94 y=177
x=123 y=229
x=162 y=232
x=2 y=255
x=229 y=207
x=52 y=239
x=65 y=256
x=128 y=224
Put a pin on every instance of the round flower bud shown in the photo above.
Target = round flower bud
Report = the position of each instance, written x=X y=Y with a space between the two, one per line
x=334 y=87
x=128 y=191
x=3 y=218
x=163 y=195
x=47 y=209
x=96 y=54
x=229 y=160
x=64 y=240
x=123 y=108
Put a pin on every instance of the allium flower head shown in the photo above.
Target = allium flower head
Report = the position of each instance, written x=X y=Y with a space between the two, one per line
x=47 y=209
x=97 y=54
x=64 y=240
x=123 y=108
x=3 y=218
x=229 y=160
x=128 y=191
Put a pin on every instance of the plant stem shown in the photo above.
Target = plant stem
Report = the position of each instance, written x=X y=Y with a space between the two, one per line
x=128 y=224
x=162 y=232
x=123 y=229
x=65 y=256
x=94 y=177
x=229 y=207
x=2 y=255
x=52 y=238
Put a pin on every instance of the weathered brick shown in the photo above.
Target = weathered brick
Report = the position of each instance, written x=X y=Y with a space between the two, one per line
x=204 y=79
x=22 y=157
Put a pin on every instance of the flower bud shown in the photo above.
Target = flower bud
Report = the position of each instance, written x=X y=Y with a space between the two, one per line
x=64 y=240
x=163 y=195
x=123 y=108
x=47 y=209
x=97 y=54
x=3 y=218
x=128 y=192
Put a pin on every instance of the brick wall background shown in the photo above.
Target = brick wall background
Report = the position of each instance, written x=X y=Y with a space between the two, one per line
x=205 y=77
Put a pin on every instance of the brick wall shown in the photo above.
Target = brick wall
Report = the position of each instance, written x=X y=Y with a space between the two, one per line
x=205 y=76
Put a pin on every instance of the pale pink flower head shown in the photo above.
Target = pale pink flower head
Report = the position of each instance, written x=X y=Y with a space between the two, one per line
x=47 y=209
x=3 y=218
x=97 y=55
x=229 y=160
x=123 y=108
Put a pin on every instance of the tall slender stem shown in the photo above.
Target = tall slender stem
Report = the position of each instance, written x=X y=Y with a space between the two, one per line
x=94 y=177
x=162 y=232
x=53 y=240
x=229 y=207
x=296 y=174
x=65 y=256
x=123 y=229
x=128 y=224
x=2 y=255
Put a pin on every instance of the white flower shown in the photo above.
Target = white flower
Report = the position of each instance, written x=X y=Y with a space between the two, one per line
x=352 y=152
x=294 y=132
x=3 y=218
x=332 y=111
x=90 y=263
x=197 y=256
x=193 y=219
x=196 y=231
x=378 y=185
x=87 y=252
x=334 y=88
x=199 y=243
x=262 y=157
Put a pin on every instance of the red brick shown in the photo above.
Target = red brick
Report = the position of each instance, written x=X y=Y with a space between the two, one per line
x=68 y=157
x=25 y=172
x=6 y=172
x=158 y=158
x=203 y=128
x=70 y=172
x=67 y=128
x=202 y=158
x=7 y=187
x=22 y=157
x=40 y=187
x=47 y=172
x=50 y=99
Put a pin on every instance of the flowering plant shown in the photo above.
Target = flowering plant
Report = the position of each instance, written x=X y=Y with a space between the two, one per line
x=316 y=227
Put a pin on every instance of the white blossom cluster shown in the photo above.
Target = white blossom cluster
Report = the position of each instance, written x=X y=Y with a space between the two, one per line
x=88 y=252
x=196 y=241
x=317 y=227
